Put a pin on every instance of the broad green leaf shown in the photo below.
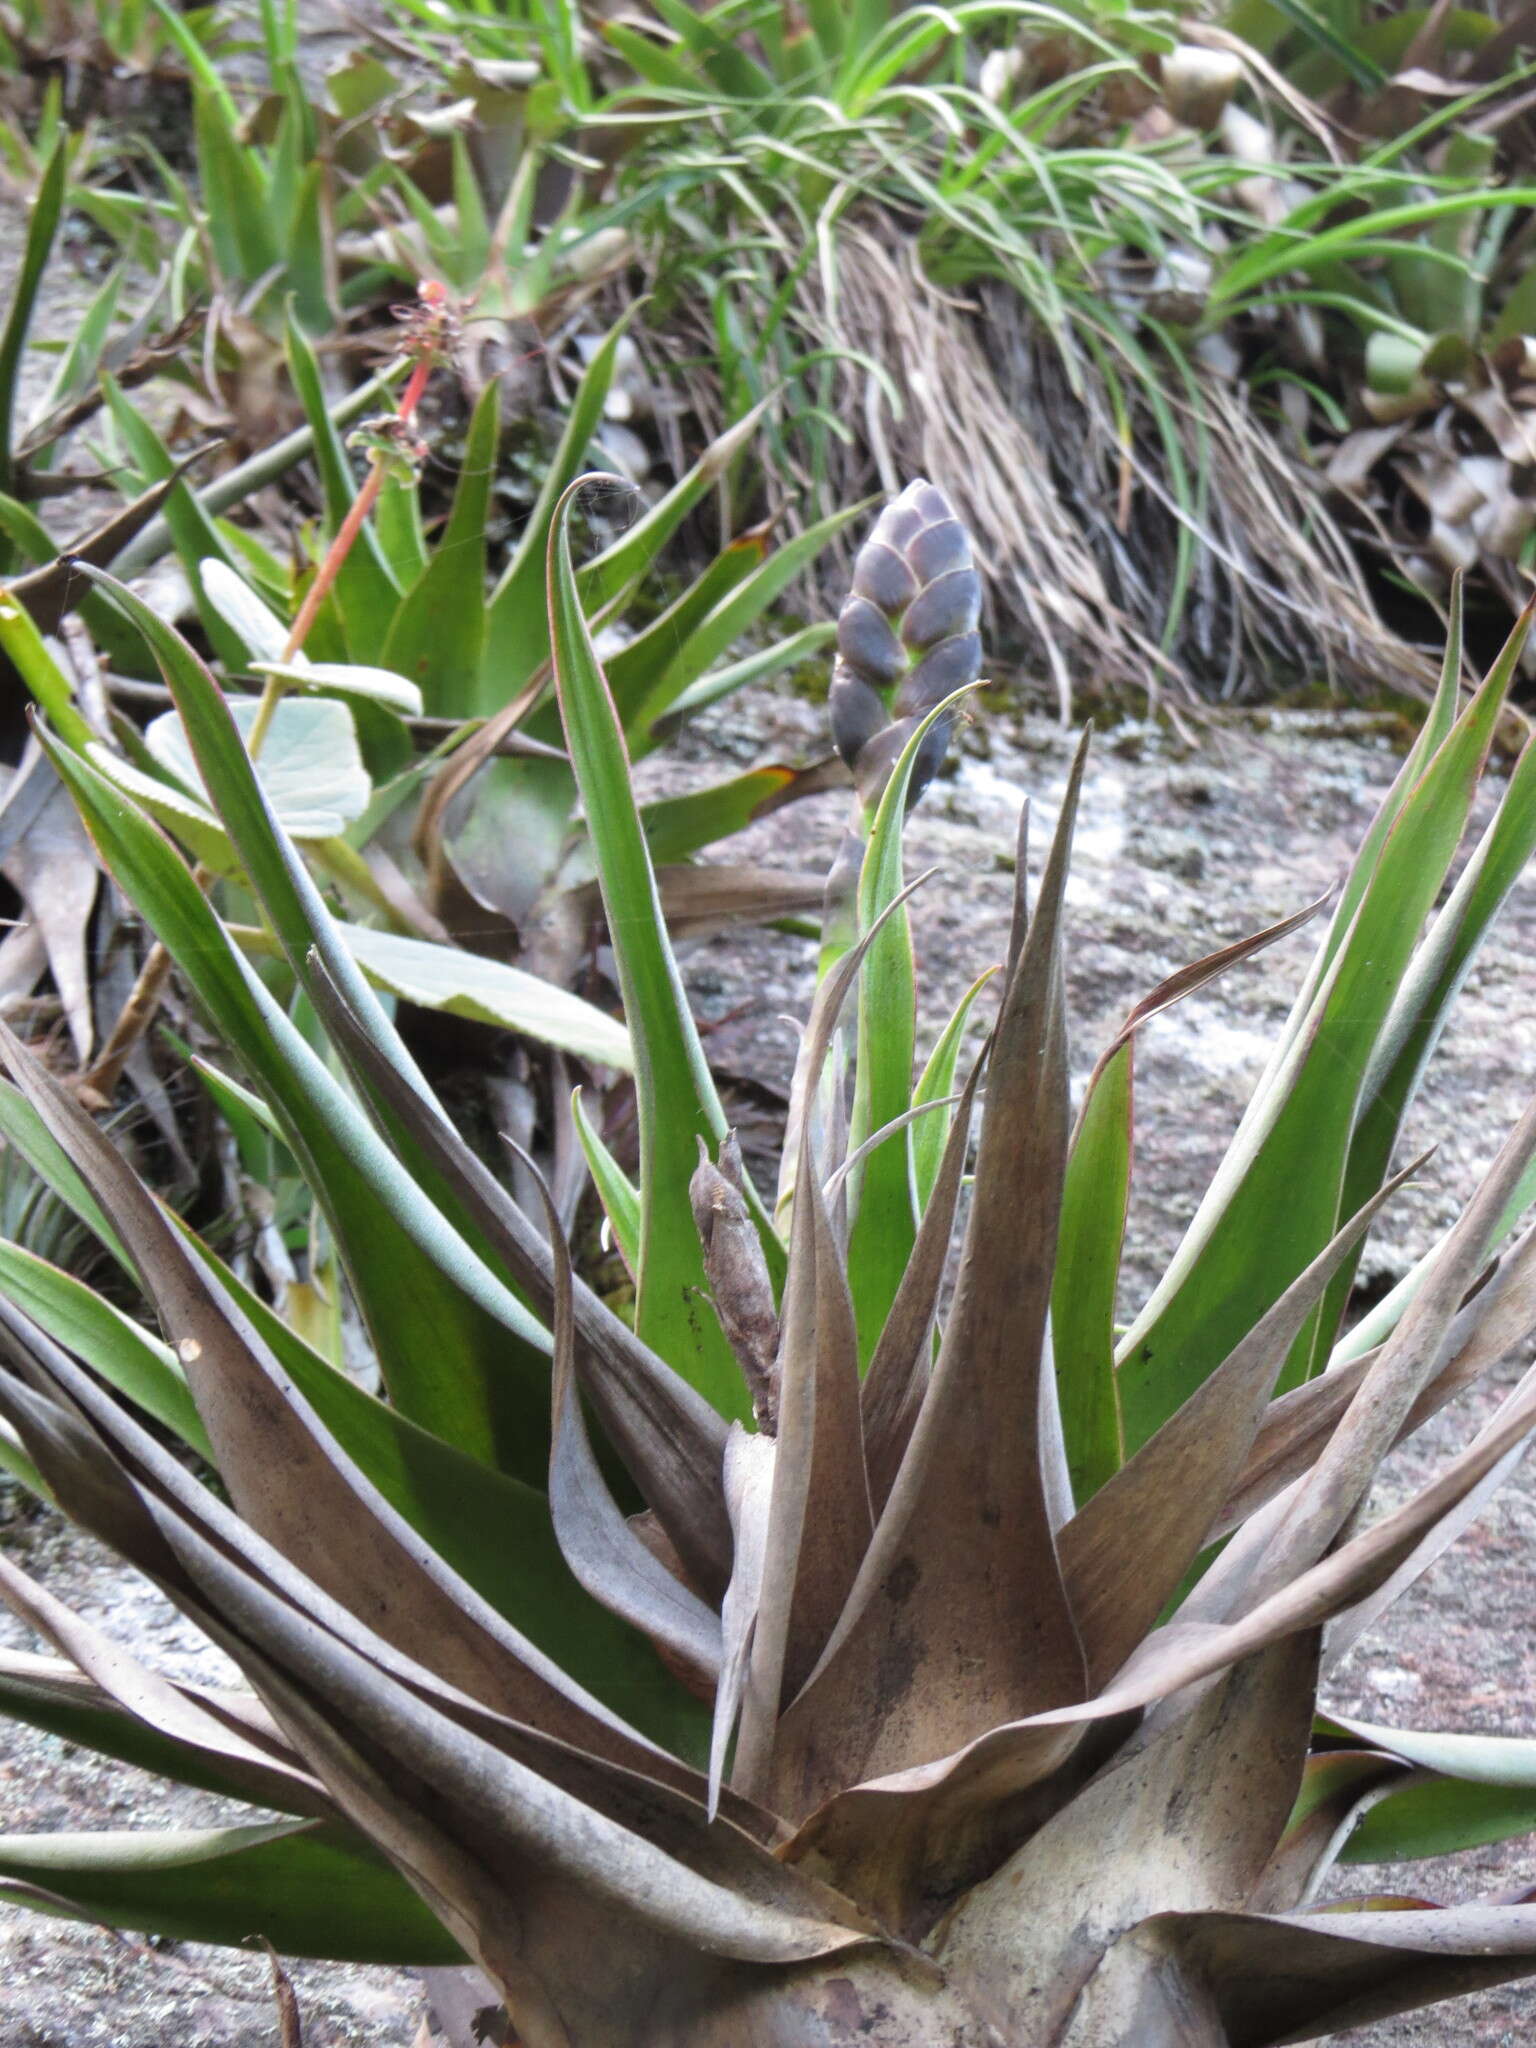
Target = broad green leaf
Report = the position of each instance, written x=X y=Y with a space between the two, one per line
x=1467 y=1790
x=675 y=1096
x=309 y=1888
x=263 y=632
x=1430 y=1816
x=469 y=985
x=438 y=637
x=1093 y=1211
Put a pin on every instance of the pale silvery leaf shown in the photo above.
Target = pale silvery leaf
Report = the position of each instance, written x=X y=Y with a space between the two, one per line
x=467 y=985
x=242 y=611
x=310 y=768
x=350 y=679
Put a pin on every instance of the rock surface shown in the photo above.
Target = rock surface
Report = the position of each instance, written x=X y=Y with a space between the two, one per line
x=1178 y=853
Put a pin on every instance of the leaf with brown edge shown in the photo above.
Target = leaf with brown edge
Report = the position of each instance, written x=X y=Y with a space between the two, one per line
x=291 y=1480
x=1128 y=1547
x=959 y=1618
x=1308 y=1974
x=697 y=902
x=898 y=1373
x=861 y=1825
x=565 y=1906
x=596 y=1538
x=1494 y=1319
x=1345 y=1630
x=1400 y=1373
x=147 y=1493
x=819 y=1521
x=669 y=1436
x=1187 y=981
x=222 y=1737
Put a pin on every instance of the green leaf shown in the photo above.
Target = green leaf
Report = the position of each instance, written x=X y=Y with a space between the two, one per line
x=308 y=265
x=453 y=1500
x=49 y=1694
x=23 y=1128
x=1464 y=1791
x=1428 y=990
x=1437 y=1816
x=1277 y=1198
x=309 y=1888
x=622 y=565
x=367 y=591
x=458 y=1352
x=518 y=624
x=1093 y=1211
x=438 y=636
x=677 y=826
x=235 y=194
x=469 y=985
x=41 y=673
x=347 y=679
x=936 y=1083
x=125 y=1355
x=635 y=669
x=675 y=1096
x=704 y=644
x=42 y=227
x=619 y=1195
x=884 y=1223
x=193 y=532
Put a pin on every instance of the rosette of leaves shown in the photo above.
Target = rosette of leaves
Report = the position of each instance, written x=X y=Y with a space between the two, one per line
x=692 y=1682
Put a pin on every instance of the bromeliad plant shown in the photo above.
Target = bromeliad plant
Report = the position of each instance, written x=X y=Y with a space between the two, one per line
x=825 y=1658
x=403 y=711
